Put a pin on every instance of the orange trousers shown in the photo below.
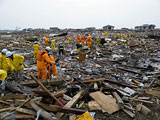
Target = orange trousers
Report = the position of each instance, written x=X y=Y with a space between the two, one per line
x=46 y=42
x=89 y=44
x=53 y=70
x=42 y=73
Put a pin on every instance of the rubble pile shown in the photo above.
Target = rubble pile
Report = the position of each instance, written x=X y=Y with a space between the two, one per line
x=112 y=82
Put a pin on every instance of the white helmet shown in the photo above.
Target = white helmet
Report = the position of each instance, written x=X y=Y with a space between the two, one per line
x=48 y=48
x=8 y=54
x=35 y=42
x=4 y=51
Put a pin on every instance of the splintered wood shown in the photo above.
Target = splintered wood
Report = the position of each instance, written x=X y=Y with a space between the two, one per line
x=106 y=102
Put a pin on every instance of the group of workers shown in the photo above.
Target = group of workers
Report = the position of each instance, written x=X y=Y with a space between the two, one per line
x=81 y=40
x=44 y=61
x=101 y=39
x=10 y=63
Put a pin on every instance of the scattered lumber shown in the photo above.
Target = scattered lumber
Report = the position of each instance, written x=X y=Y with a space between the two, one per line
x=46 y=90
x=139 y=100
x=143 y=109
x=132 y=115
x=55 y=108
x=46 y=115
x=153 y=92
x=72 y=102
x=118 y=99
x=26 y=111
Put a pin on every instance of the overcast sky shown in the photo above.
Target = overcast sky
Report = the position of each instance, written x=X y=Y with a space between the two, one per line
x=78 y=13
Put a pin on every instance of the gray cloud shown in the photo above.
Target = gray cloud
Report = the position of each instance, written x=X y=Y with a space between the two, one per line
x=78 y=13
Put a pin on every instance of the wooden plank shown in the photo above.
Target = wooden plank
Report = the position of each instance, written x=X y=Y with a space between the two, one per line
x=13 y=97
x=20 y=102
x=26 y=111
x=93 y=105
x=95 y=86
x=88 y=81
x=105 y=101
x=72 y=117
x=46 y=115
x=24 y=116
x=144 y=98
x=143 y=109
x=132 y=115
x=55 y=108
x=6 y=109
x=153 y=92
x=118 y=99
x=144 y=101
x=81 y=104
x=4 y=102
x=72 y=102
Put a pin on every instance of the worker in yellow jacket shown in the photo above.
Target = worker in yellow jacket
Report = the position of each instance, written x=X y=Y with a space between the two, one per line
x=3 y=62
x=36 y=50
x=123 y=35
x=105 y=35
x=3 y=75
x=130 y=35
x=53 y=45
x=16 y=60
x=118 y=35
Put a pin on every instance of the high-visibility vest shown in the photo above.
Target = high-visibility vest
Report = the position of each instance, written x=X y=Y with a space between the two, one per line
x=41 y=53
x=61 y=47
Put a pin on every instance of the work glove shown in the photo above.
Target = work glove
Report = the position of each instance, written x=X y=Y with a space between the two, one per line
x=57 y=64
x=51 y=70
x=50 y=64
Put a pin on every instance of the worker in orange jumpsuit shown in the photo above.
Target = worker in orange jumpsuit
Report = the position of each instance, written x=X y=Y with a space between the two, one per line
x=47 y=39
x=36 y=50
x=67 y=39
x=43 y=60
x=78 y=39
x=89 y=41
x=82 y=40
x=52 y=68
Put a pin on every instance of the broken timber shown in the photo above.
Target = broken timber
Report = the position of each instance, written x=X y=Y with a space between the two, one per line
x=46 y=115
x=46 y=90
x=105 y=101
x=55 y=108
x=72 y=102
